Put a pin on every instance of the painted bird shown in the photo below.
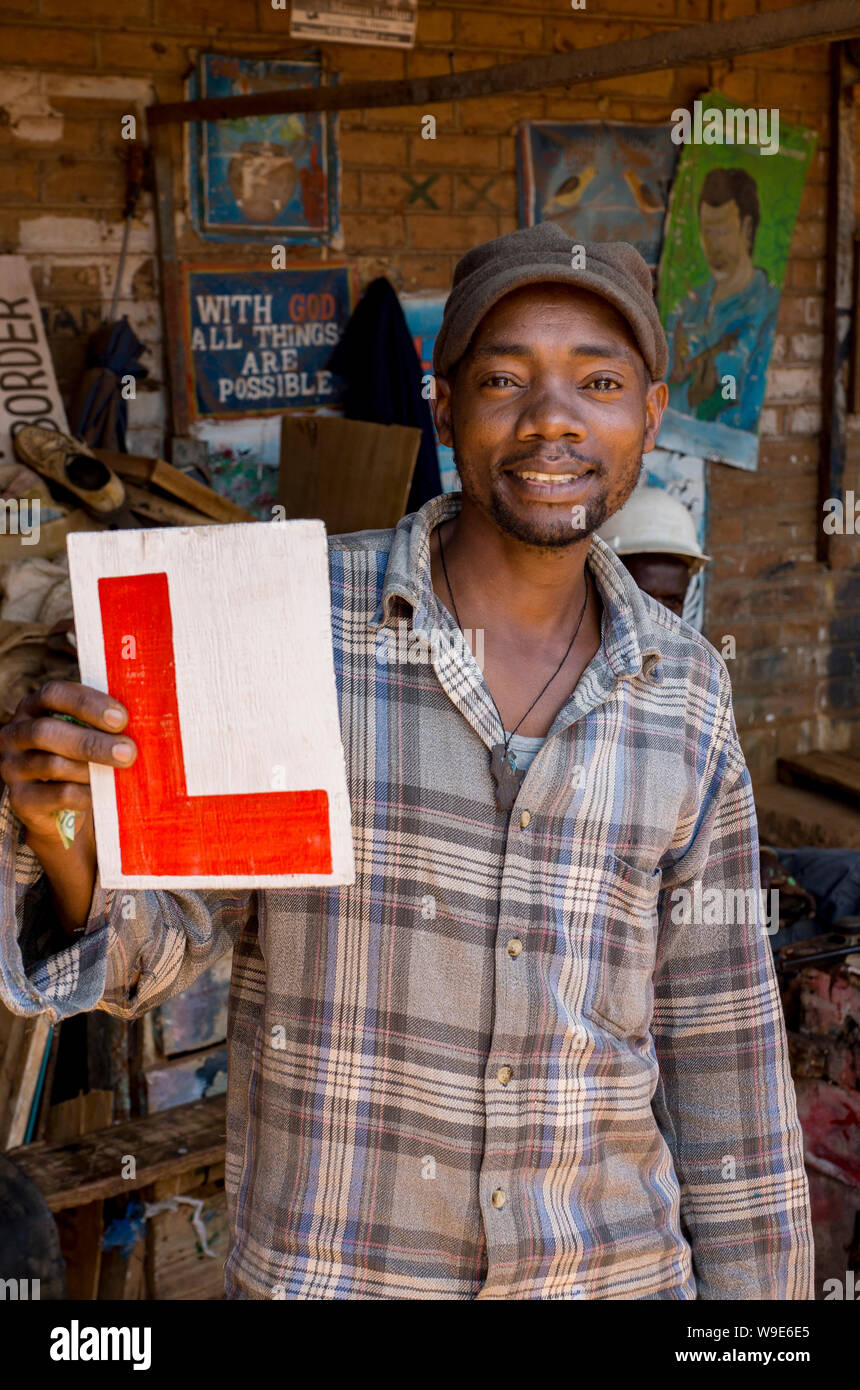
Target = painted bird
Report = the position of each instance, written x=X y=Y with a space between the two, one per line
x=646 y=198
x=568 y=194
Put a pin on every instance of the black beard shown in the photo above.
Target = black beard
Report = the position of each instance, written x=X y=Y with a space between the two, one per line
x=544 y=537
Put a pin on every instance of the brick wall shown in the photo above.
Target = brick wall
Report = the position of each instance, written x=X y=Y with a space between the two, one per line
x=77 y=65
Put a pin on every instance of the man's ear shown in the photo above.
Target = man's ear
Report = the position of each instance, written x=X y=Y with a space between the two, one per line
x=655 y=404
x=442 y=410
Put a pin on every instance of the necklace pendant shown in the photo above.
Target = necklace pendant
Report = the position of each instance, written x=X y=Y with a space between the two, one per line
x=506 y=776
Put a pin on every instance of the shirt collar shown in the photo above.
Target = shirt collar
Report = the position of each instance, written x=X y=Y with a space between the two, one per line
x=630 y=641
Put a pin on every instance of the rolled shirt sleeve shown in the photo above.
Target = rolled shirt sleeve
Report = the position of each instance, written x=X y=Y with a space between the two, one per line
x=725 y=1100
x=139 y=947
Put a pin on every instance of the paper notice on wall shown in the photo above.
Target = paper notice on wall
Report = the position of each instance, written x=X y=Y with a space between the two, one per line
x=218 y=642
x=28 y=387
x=387 y=25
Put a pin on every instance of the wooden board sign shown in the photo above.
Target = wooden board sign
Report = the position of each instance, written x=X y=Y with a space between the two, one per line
x=217 y=639
x=28 y=387
x=352 y=474
x=258 y=340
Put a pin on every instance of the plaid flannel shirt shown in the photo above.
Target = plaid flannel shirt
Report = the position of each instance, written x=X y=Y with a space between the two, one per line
x=502 y=1064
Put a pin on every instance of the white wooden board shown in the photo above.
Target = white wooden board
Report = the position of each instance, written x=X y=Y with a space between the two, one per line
x=218 y=641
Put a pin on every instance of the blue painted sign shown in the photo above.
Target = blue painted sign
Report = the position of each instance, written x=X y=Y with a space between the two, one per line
x=264 y=178
x=423 y=314
x=259 y=339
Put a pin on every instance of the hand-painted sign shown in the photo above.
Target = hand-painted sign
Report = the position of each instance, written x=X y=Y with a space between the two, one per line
x=728 y=232
x=423 y=314
x=239 y=778
x=599 y=180
x=269 y=178
x=259 y=340
x=28 y=387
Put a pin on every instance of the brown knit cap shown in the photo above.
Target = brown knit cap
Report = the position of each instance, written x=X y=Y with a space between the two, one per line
x=613 y=269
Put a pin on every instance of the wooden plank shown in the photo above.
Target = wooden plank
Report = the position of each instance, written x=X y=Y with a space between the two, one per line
x=12 y=1032
x=80 y=1114
x=171 y=278
x=23 y=1042
x=123 y=1277
x=352 y=474
x=822 y=22
x=791 y=816
x=205 y=499
x=177 y=1265
x=47 y=1086
x=90 y=1168
x=80 y=1230
x=80 y=1235
x=134 y=466
x=835 y=774
x=30 y=1070
x=169 y=479
x=159 y=509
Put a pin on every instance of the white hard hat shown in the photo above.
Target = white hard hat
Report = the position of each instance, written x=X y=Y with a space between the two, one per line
x=652 y=521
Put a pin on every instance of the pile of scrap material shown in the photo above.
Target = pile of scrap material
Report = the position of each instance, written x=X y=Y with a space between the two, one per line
x=58 y=485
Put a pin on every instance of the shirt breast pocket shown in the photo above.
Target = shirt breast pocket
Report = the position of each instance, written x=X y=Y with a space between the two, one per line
x=622 y=950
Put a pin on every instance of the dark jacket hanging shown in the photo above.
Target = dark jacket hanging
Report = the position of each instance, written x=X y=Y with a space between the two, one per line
x=376 y=358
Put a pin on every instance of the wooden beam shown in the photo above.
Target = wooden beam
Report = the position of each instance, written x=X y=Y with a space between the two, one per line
x=178 y=367
x=143 y=469
x=821 y=22
x=159 y=509
x=23 y=1044
x=832 y=774
x=90 y=1168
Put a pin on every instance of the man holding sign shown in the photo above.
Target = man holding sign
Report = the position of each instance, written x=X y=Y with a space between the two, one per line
x=508 y=1061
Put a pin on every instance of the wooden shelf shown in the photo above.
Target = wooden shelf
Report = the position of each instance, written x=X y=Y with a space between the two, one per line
x=89 y=1169
x=833 y=774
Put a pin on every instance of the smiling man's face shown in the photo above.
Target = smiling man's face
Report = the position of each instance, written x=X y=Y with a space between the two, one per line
x=550 y=410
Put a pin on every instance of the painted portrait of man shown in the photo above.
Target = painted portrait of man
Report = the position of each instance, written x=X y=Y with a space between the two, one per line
x=720 y=333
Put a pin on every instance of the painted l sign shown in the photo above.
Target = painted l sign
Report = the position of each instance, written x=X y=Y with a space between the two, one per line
x=218 y=642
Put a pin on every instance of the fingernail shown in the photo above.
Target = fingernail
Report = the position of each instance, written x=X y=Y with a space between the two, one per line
x=114 y=718
x=123 y=752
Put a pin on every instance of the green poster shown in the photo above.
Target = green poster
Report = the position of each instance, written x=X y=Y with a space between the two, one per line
x=728 y=231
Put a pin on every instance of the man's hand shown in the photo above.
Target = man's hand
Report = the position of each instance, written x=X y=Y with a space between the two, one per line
x=44 y=762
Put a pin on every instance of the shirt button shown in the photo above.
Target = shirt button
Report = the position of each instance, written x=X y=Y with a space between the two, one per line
x=505 y=1074
x=498 y=1198
x=514 y=947
x=525 y=818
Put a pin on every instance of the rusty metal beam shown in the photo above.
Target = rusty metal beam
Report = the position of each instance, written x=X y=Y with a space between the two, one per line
x=821 y=22
x=838 y=297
